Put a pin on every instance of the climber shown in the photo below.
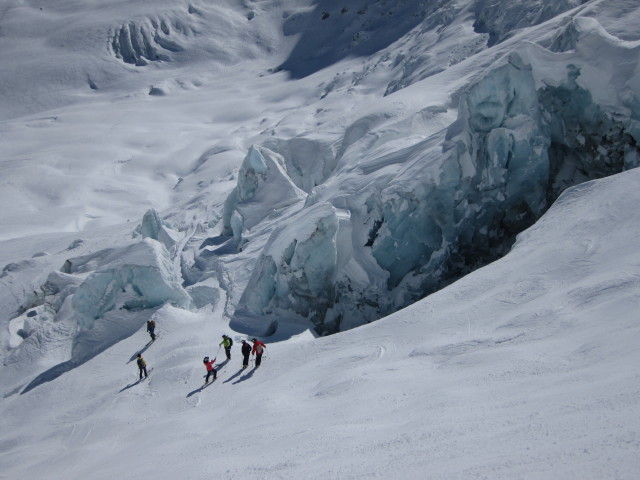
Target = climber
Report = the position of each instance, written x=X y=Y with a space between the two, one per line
x=258 y=350
x=142 y=366
x=227 y=343
x=210 y=369
x=151 y=326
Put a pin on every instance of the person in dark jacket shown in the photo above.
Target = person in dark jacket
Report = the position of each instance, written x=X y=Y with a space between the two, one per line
x=142 y=366
x=246 y=351
x=151 y=327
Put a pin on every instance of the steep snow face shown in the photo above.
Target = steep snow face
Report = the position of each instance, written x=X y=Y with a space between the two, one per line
x=433 y=151
x=411 y=33
x=501 y=18
x=364 y=29
x=522 y=369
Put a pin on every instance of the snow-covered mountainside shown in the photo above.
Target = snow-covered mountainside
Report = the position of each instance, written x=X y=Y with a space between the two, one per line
x=292 y=169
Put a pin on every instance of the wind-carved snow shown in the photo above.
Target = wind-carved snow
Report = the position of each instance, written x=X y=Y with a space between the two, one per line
x=156 y=38
x=168 y=33
x=263 y=188
x=533 y=125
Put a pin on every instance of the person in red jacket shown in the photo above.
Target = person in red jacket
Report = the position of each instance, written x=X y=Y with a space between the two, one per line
x=210 y=370
x=258 y=350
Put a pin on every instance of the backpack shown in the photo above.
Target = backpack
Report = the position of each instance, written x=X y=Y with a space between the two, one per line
x=230 y=341
x=152 y=323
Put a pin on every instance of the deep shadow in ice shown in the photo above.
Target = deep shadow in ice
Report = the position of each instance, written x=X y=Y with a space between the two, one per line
x=269 y=327
x=215 y=241
x=225 y=246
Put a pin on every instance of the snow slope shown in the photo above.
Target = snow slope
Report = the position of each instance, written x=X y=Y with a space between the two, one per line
x=523 y=369
x=284 y=169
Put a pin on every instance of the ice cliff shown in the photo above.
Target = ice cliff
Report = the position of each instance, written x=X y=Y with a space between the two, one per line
x=137 y=277
x=297 y=268
x=537 y=121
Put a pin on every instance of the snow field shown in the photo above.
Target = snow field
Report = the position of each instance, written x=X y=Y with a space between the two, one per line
x=523 y=369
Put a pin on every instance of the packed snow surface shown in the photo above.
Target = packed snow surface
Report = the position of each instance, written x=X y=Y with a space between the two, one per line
x=426 y=210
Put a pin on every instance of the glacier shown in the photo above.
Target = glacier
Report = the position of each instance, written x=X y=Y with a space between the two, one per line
x=293 y=169
x=537 y=121
x=333 y=225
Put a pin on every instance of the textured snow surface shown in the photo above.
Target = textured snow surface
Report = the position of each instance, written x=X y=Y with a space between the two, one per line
x=523 y=369
x=292 y=169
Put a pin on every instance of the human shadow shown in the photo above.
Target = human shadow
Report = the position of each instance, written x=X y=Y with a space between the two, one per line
x=247 y=376
x=141 y=351
x=199 y=389
x=140 y=380
x=131 y=385
x=234 y=375
x=222 y=364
